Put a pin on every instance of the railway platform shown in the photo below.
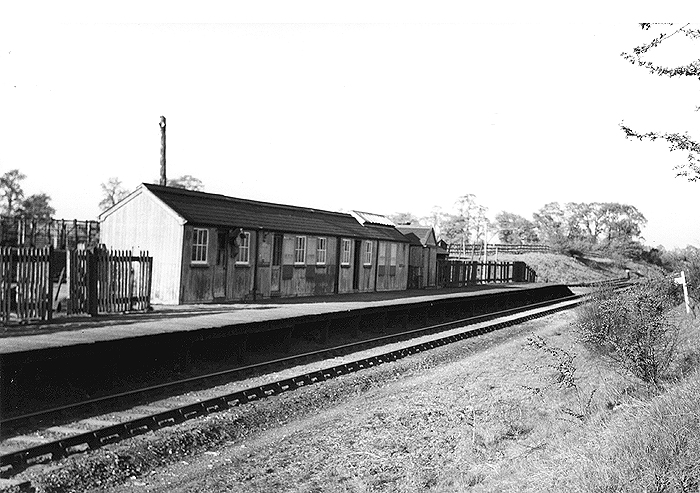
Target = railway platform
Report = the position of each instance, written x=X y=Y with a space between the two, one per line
x=232 y=319
x=92 y=356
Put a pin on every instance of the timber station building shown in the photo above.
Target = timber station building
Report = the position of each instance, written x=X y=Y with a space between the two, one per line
x=215 y=248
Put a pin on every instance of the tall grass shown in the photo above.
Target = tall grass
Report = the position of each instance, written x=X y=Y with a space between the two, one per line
x=652 y=447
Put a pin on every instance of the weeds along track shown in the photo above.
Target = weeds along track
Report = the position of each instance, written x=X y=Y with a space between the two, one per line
x=37 y=443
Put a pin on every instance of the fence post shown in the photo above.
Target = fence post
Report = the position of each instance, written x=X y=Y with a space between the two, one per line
x=49 y=252
x=91 y=264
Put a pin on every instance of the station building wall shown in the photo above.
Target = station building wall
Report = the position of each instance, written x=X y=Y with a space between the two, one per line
x=142 y=222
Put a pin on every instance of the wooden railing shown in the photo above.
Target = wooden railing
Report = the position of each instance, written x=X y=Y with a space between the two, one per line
x=476 y=250
x=455 y=273
x=18 y=231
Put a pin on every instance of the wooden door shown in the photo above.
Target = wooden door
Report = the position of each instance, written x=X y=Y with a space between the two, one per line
x=221 y=266
x=276 y=264
x=356 y=267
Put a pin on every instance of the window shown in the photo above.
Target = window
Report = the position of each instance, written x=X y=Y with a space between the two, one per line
x=382 y=253
x=368 y=253
x=300 y=250
x=200 y=242
x=345 y=254
x=243 y=249
x=321 y=251
x=392 y=258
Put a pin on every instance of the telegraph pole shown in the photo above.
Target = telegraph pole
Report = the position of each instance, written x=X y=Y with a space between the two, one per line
x=163 y=178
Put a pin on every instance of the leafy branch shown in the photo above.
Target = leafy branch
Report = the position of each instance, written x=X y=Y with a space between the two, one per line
x=677 y=141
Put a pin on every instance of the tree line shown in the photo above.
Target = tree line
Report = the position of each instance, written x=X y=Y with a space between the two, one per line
x=572 y=226
x=14 y=203
x=113 y=191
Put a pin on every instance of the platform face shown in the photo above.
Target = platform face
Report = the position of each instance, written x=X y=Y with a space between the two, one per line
x=182 y=319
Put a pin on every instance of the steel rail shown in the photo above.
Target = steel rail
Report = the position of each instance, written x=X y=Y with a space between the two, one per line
x=12 y=421
x=13 y=462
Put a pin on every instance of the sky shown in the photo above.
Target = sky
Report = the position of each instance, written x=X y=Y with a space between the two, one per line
x=381 y=109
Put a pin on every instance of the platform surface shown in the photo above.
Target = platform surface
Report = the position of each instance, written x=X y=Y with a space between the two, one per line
x=64 y=332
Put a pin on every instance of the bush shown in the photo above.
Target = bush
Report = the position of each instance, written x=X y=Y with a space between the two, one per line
x=691 y=266
x=631 y=327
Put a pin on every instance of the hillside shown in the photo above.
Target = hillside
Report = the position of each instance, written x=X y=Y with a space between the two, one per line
x=553 y=267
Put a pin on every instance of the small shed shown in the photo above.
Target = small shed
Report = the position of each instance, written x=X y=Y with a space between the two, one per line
x=423 y=255
x=442 y=250
x=215 y=248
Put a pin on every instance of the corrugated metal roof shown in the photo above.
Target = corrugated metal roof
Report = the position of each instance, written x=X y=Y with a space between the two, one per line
x=220 y=210
x=371 y=218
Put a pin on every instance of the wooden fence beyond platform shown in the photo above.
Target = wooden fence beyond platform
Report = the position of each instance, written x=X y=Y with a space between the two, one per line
x=454 y=273
x=107 y=281
x=25 y=284
x=475 y=251
x=101 y=281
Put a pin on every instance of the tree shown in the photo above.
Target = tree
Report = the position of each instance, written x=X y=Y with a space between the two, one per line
x=436 y=219
x=11 y=190
x=621 y=223
x=37 y=207
x=188 y=182
x=112 y=192
x=515 y=229
x=458 y=227
x=677 y=141
x=551 y=224
x=403 y=218
x=587 y=226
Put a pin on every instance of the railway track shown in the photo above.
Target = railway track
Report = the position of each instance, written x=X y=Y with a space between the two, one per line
x=55 y=442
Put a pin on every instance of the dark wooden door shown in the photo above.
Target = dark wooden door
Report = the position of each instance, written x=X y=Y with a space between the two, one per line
x=221 y=265
x=356 y=265
x=276 y=264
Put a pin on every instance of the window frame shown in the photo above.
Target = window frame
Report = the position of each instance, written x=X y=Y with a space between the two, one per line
x=369 y=251
x=382 y=253
x=199 y=247
x=321 y=253
x=345 y=252
x=298 y=249
x=244 y=246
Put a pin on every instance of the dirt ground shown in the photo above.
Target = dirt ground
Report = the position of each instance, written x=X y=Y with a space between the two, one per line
x=474 y=419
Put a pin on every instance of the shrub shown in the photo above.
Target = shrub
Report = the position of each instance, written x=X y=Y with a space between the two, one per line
x=563 y=376
x=691 y=266
x=631 y=327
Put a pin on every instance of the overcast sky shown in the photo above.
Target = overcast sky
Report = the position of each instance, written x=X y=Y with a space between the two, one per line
x=383 y=111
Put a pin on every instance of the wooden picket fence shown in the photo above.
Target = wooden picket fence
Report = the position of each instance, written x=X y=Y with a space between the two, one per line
x=108 y=281
x=455 y=273
x=26 y=287
x=100 y=281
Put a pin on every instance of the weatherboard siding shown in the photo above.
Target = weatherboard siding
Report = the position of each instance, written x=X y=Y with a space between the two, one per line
x=393 y=278
x=200 y=281
x=143 y=223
